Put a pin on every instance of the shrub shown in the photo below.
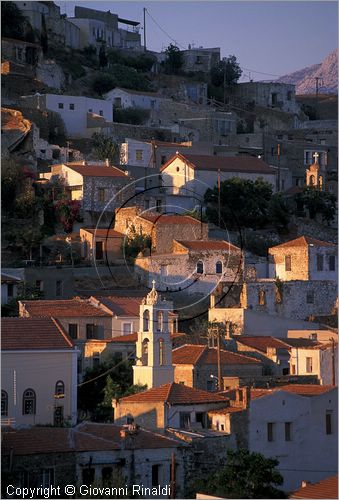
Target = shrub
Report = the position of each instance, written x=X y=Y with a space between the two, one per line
x=134 y=116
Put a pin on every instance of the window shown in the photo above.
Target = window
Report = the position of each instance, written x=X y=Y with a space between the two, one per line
x=90 y=110
x=58 y=288
x=289 y=95
x=73 y=330
x=106 y=474
x=127 y=328
x=4 y=404
x=309 y=367
x=146 y=320
x=90 y=331
x=29 y=402
x=288 y=263
x=320 y=262
x=71 y=107
x=288 y=431
x=101 y=113
x=328 y=422
x=10 y=290
x=46 y=477
x=96 y=359
x=163 y=159
x=99 y=251
x=61 y=105
x=218 y=267
x=200 y=267
x=101 y=194
x=88 y=475
x=160 y=321
x=144 y=354
x=39 y=284
x=155 y=475
x=331 y=262
x=138 y=154
x=185 y=420
x=158 y=205
x=210 y=385
x=310 y=297
x=270 y=431
x=161 y=352
x=60 y=388
x=200 y=417
x=262 y=298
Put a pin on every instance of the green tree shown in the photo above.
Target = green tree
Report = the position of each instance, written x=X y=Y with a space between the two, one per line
x=11 y=179
x=246 y=475
x=103 y=83
x=135 y=116
x=227 y=72
x=13 y=21
x=104 y=147
x=278 y=213
x=102 y=56
x=135 y=242
x=174 y=59
x=243 y=203
x=318 y=202
x=43 y=35
x=26 y=239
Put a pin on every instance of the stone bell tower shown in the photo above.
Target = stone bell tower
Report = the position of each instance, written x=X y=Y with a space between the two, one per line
x=315 y=175
x=154 y=346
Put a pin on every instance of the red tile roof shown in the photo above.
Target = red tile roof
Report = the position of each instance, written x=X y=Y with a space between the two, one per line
x=104 y=233
x=97 y=170
x=120 y=306
x=304 y=241
x=131 y=338
x=201 y=245
x=262 y=343
x=84 y=437
x=248 y=164
x=175 y=394
x=306 y=389
x=190 y=354
x=63 y=308
x=228 y=409
x=33 y=333
x=326 y=488
x=170 y=219
x=303 y=343
x=258 y=393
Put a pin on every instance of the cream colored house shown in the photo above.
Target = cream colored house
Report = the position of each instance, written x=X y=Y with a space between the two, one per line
x=101 y=244
x=38 y=372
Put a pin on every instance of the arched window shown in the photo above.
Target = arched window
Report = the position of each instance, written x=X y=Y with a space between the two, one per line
x=60 y=389
x=218 y=267
x=160 y=321
x=161 y=352
x=146 y=320
x=144 y=355
x=29 y=402
x=4 y=404
x=200 y=267
x=312 y=180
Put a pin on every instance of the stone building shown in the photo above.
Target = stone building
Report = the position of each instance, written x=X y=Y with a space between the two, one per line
x=100 y=188
x=274 y=353
x=197 y=366
x=38 y=373
x=304 y=258
x=200 y=59
x=163 y=228
x=101 y=244
x=268 y=94
x=195 y=267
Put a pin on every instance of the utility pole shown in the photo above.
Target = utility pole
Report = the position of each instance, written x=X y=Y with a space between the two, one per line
x=224 y=61
x=215 y=331
x=333 y=361
x=219 y=201
x=278 y=168
x=144 y=9
x=172 y=481
x=317 y=80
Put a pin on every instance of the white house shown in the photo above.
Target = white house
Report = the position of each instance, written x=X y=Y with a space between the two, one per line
x=149 y=154
x=9 y=287
x=188 y=176
x=38 y=372
x=297 y=425
x=81 y=115
x=126 y=98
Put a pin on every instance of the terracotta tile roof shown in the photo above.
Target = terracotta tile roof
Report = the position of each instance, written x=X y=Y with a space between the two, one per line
x=228 y=409
x=258 y=393
x=84 y=437
x=33 y=333
x=133 y=337
x=174 y=394
x=326 y=488
x=170 y=219
x=306 y=389
x=104 y=233
x=263 y=343
x=304 y=241
x=97 y=170
x=201 y=354
x=302 y=343
x=201 y=245
x=224 y=163
x=120 y=306
x=6 y=278
x=63 y=308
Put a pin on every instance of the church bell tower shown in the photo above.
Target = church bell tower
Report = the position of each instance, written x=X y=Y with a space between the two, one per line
x=154 y=346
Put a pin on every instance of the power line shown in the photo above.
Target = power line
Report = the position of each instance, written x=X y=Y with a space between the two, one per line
x=123 y=361
x=169 y=36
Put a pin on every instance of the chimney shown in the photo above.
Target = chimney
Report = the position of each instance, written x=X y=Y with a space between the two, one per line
x=107 y=162
x=304 y=484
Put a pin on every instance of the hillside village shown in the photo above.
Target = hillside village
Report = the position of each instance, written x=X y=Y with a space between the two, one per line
x=169 y=268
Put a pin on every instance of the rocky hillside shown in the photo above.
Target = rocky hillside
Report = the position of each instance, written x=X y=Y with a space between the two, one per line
x=304 y=79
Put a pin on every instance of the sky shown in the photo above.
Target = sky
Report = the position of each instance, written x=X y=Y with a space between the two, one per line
x=269 y=38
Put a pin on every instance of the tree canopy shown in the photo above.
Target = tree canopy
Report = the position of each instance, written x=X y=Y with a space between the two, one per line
x=318 y=202
x=246 y=475
x=226 y=71
x=174 y=59
x=104 y=147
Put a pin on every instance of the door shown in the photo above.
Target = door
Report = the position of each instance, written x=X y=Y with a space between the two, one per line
x=99 y=255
